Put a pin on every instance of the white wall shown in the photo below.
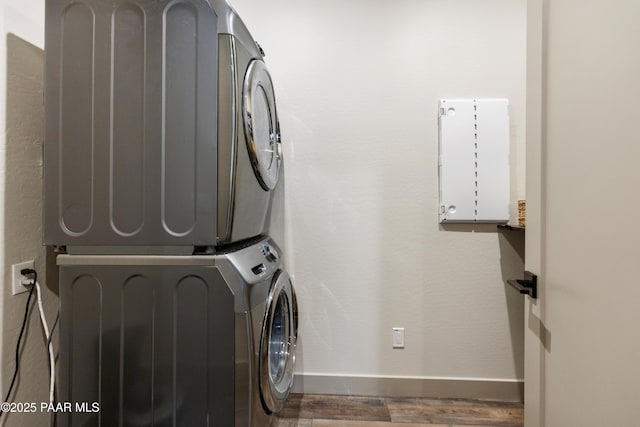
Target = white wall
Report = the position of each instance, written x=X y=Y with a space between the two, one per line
x=357 y=85
x=21 y=126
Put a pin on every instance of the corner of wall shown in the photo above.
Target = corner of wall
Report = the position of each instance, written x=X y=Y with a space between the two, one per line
x=21 y=138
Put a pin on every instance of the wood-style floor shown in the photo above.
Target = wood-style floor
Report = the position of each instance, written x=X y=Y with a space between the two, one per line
x=359 y=411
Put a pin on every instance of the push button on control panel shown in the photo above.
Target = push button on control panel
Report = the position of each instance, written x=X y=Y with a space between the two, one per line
x=259 y=269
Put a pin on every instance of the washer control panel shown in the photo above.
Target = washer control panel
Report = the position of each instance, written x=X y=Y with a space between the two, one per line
x=256 y=262
x=269 y=253
x=259 y=269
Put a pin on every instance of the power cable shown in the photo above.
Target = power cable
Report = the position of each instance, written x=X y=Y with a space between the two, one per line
x=25 y=272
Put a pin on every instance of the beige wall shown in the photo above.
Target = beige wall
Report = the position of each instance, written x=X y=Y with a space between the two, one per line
x=583 y=340
x=357 y=85
x=21 y=72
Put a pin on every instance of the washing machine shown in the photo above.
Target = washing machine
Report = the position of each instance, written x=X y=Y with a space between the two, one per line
x=177 y=340
x=266 y=329
x=249 y=141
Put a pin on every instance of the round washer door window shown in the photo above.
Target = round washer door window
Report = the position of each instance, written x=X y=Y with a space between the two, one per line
x=277 y=347
x=261 y=128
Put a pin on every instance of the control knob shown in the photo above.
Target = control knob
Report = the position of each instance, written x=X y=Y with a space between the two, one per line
x=269 y=253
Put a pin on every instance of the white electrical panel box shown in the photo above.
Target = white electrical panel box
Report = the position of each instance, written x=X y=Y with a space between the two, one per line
x=474 y=160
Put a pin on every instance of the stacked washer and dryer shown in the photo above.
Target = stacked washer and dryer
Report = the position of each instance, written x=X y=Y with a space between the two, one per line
x=162 y=152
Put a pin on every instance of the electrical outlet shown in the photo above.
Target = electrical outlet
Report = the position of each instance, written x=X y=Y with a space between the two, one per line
x=17 y=286
x=398 y=337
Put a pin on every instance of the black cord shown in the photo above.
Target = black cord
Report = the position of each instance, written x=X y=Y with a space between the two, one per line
x=53 y=328
x=22 y=329
x=54 y=421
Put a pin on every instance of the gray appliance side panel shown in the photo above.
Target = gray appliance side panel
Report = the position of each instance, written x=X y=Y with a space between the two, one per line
x=244 y=363
x=229 y=22
x=227 y=142
x=152 y=345
x=130 y=123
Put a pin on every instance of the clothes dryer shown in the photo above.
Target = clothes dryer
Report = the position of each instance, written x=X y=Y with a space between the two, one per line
x=161 y=127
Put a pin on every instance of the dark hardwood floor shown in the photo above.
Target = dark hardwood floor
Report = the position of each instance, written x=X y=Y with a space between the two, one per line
x=311 y=410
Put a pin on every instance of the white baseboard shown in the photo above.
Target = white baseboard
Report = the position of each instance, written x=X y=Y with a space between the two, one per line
x=467 y=388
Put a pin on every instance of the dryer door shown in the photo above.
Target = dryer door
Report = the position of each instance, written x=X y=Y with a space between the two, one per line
x=277 y=346
x=261 y=129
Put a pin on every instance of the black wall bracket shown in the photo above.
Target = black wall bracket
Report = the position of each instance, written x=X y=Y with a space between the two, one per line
x=527 y=286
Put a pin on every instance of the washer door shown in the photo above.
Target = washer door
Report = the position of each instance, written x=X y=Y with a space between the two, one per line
x=261 y=129
x=277 y=346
